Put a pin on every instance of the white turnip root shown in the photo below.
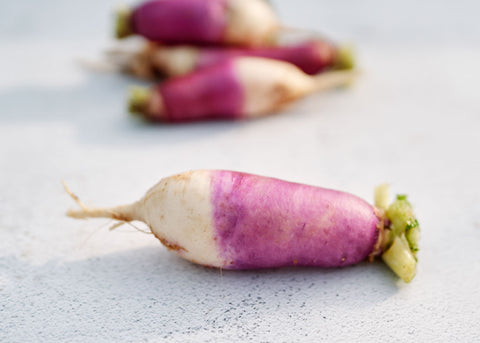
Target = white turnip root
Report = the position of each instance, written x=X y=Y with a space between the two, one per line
x=238 y=88
x=235 y=220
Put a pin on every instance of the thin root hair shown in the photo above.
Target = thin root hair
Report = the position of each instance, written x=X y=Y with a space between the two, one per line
x=74 y=196
x=122 y=222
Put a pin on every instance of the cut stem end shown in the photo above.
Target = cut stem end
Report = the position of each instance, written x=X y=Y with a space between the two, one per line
x=345 y=59
x=400 y=241
x=123 y=27
x=382 y=196
x=138 y=99
x=400 y=259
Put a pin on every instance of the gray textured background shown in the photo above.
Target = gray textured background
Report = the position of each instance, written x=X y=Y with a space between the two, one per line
x=412 y=119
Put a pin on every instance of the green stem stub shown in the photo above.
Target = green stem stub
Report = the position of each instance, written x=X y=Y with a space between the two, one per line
x=401 y=242
x=345 y=59
x=382 y=196
x=400 y=214
x=138 y=99
x=400 y=259
x=123 y=28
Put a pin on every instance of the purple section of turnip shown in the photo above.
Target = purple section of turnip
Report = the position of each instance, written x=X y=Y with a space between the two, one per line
x=210 y=93
x=180 y=21
x=263 y=222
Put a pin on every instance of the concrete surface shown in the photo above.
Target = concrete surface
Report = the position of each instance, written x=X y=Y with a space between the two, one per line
x=412 y=119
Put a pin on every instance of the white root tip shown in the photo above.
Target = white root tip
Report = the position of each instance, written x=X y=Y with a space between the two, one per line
x=99 y=66
x=73 y=196
x=124 y=213
x=93 y=212
x=334 y=79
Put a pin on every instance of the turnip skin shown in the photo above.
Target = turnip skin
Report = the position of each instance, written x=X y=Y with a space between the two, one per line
x=240 y=88
x=234 y=220
x=179 y=213
x=265 y=222
x=150 y=59
x=212 y=22
x=196 y=96
x=311 y=57
x=173 y=21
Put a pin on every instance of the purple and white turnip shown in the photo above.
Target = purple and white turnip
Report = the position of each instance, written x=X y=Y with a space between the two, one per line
x=238 y=88
x=234 y=220
x=207 y=22
x=150 y=60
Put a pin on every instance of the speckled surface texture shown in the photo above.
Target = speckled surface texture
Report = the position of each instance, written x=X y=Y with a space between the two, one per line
x=412 y=119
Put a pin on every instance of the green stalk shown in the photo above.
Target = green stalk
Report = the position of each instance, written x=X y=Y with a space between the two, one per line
x=400 y=259
x=123 y=27
x=402 y=235
x=345 y=59
x=138 y=99
x=382 y=196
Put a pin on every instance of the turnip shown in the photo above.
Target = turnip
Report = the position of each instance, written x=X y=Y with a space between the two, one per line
x=311 y=56
x=235 y=220
x=232 y=22
x=242 y=87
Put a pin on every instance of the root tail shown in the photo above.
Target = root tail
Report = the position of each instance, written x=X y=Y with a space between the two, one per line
x=124 y=213
x=135 y=60
x=334 y=79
